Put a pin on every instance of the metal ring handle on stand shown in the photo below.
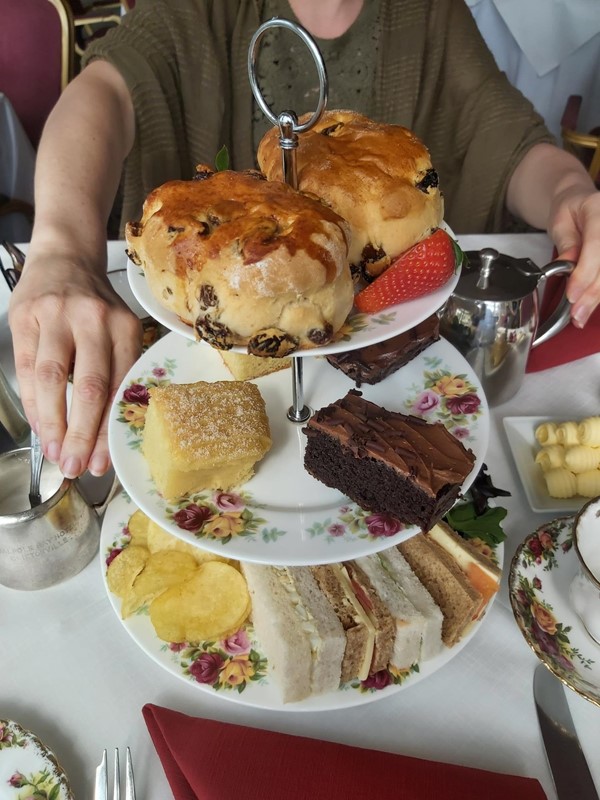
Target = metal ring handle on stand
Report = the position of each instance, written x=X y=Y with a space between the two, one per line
x=276 y=22
x=287 y=121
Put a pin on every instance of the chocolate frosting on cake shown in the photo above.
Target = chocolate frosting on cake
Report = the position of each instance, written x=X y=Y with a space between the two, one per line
x=427 y=452
x=374 y=363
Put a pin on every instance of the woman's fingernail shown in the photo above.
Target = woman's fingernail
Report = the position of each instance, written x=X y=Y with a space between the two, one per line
x=53 y=452
x=580 y=317
x=98 y=465
x=72 y=467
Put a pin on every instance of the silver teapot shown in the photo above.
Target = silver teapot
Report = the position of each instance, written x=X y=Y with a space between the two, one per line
x=492 y=317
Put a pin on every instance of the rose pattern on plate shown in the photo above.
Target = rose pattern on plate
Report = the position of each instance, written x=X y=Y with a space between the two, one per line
x=35 y=786
x=550 y=636
x=10 y=737
x=442 y=396
x=541 y=547
x=357 y=322
x=45 y=783
x=352 y=521
x=536 y=616
x=219 y=516
x=392 y=676
x=446 y=397
x=134 y=401
x=118 y=544
x=232 y=663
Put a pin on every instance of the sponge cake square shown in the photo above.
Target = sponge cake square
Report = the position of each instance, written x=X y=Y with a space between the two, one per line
x=204 y=435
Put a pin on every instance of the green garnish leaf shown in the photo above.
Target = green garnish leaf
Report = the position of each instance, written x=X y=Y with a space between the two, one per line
x=464 y=519
x=460 y=258
x=222 y=159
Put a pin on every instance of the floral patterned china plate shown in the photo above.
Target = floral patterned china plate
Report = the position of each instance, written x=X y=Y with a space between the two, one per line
x=283 y=515
x=28 y=769
x=540 y=575
x=359 y=330
x=236 y=668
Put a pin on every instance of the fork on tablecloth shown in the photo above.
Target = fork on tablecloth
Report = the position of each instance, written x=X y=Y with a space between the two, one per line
x=101 y=782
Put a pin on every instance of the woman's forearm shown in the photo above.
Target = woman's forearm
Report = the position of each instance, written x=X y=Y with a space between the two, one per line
x=79 y=162
x=541 y=177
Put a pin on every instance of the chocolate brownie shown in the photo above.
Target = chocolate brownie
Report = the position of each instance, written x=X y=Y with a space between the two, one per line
x=386 y=461
x=375 y=362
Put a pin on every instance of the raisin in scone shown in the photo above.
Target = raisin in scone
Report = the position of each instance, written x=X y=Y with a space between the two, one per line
x=246 y=261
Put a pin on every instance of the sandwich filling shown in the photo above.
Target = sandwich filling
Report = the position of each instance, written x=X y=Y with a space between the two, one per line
x=362 y=616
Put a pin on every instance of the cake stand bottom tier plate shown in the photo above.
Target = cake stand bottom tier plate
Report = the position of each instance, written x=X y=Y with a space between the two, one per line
x=236 y=668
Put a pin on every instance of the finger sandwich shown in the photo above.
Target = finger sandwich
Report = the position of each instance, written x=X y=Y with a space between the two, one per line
x=298 y=629
x=446 y=582
x=400 y=571
x=409 y=623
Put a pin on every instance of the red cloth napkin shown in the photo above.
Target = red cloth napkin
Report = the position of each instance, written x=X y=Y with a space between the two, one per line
x=208 y=760
x=571 y=343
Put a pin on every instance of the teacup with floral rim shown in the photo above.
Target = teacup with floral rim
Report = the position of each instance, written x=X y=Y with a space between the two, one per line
x=585 y=587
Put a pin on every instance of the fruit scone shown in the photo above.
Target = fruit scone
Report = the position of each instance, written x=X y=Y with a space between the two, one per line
x=246 y=261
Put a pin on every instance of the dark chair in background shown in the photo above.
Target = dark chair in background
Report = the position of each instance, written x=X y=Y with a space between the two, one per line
x=36 y=63
x=92 y=20
x=586 y=146
x=40 y=45
x=36 y=58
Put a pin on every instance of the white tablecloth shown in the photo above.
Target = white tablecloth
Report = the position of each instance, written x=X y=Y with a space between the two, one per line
x=70 y=672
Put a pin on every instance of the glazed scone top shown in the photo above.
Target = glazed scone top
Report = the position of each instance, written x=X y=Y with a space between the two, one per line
x=234 y=254
x=377 y=176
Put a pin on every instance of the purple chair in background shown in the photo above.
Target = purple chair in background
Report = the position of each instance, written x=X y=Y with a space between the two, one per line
x=36 y=58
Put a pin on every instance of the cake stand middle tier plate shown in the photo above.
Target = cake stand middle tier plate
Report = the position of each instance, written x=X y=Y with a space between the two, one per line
x=283 y=515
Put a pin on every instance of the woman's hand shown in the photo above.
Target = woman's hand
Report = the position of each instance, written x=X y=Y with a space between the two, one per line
x=65 y=317
x=552 y=190
x=574 y=227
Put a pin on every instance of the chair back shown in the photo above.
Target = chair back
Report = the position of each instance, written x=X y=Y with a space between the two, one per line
x=586 y=146
x=36 y=58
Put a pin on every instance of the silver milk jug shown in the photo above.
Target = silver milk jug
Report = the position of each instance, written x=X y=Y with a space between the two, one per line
x=492 y=317
x=44 y=545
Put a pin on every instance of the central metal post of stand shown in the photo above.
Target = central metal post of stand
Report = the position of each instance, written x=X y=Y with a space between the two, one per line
x=289 y=129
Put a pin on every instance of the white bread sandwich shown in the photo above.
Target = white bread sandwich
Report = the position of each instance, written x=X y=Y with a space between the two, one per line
x=480 y=570
x=301 y=634
x=400 y=571
x=359 y=623
x=410 y=623
x=445 y=582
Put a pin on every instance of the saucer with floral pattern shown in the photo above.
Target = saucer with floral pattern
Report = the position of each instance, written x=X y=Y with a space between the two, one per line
x=540 y=576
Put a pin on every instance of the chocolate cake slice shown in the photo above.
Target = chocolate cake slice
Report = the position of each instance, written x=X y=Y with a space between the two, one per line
x=374 y=363
x=385 y=461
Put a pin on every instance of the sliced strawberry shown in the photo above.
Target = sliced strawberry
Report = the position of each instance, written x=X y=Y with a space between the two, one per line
x=420 y=270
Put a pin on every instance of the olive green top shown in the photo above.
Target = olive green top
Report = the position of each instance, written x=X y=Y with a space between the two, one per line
x=287 y=74
x=426 y=67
